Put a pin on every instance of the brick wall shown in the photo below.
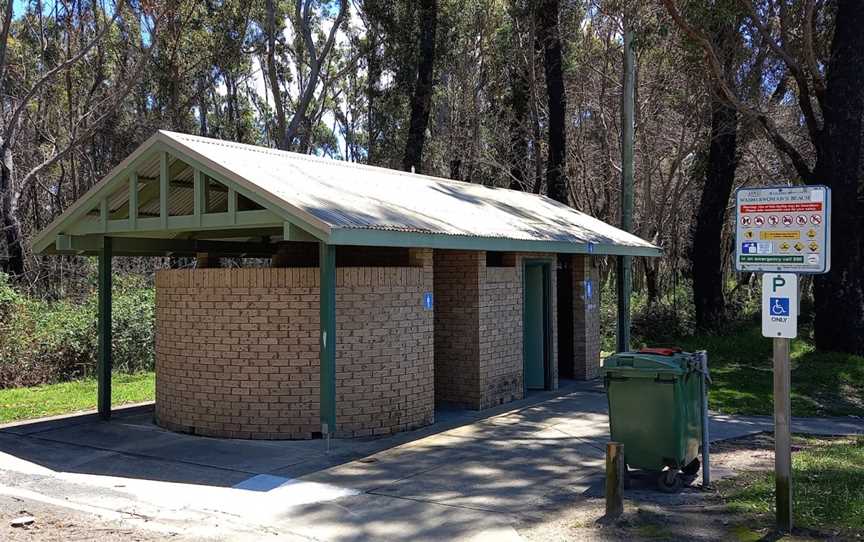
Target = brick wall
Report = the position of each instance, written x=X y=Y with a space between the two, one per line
x=478 y=328
x=586 y=318
x=384 y=348
x=500 y=323
x=457 y=306
x=237 y=350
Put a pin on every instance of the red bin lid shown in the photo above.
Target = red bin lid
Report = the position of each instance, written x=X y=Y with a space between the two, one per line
x=669 y=351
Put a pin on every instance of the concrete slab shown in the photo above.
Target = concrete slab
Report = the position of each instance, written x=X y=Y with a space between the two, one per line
x=374 y=517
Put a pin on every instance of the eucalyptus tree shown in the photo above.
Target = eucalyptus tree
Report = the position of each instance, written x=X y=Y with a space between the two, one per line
x=820 y=49
x=39 y=48
x=310 y=50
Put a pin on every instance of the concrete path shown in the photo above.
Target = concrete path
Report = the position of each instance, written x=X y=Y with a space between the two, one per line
x=470 y=476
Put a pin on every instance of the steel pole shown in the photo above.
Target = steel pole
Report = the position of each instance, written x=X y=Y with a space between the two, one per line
x=105 y=361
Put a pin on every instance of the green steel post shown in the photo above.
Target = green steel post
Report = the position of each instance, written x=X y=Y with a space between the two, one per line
x=625 y=278
x=105 y=362
x=327 y=267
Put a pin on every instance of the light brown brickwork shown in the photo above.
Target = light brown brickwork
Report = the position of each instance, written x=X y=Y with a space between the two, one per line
x=457 y=309
x=478 y=328
x=586 y=318
x=384 y=348
x=237 y=350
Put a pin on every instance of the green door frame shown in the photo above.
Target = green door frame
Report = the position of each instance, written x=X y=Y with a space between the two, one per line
x=546 y=265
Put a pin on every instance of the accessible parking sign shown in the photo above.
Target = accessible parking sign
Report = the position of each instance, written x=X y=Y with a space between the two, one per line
x=783 y=229
x=780 y=305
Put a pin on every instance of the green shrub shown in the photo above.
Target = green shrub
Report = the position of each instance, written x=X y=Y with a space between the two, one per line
x=44 y=342
x=671 y=317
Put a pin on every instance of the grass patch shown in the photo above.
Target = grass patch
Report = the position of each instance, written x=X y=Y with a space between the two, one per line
x=823 y=383
x=52 y=399
x=827 y=486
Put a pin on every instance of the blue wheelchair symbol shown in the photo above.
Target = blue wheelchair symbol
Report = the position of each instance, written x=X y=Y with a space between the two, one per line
x=779 y=306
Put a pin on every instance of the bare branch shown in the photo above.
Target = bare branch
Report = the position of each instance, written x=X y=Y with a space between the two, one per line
x=106 y=107
x=10 y=129
x=804 y=100
x=810 y=52
x=315 y=64
x=721 y=84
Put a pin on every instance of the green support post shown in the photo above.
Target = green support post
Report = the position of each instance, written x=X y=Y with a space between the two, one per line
x=327 y=267
x=625 y=278
x=105 y=363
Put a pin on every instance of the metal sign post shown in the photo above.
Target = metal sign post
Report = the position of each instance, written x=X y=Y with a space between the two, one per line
x=782 y=232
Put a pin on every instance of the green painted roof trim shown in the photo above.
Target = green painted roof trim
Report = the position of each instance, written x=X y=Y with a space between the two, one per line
x=368 y=237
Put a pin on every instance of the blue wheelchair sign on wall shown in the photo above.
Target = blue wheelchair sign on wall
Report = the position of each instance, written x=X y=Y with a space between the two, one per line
x=779 y=306
x=427 y=301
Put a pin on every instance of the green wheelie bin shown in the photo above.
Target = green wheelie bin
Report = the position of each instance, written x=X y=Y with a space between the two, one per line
x=655 y=411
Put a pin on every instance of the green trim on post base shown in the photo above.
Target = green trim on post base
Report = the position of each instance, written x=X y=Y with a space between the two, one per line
x=327 y=269
x=104 y=362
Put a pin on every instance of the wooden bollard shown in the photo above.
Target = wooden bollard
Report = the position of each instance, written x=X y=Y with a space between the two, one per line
x=614 y=479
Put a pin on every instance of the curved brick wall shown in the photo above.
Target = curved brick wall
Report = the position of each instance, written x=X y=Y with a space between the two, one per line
x=237 y=351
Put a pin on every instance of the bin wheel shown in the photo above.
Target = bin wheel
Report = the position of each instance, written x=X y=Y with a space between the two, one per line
x=692 y=469
x=669 y=481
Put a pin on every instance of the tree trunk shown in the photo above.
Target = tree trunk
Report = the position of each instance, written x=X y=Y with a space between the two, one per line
x=421 y=99
x=14 y=263
x=273 y=78
x=518 y=121
x=372 y=93
x=556 y=180
x=839 y=295
x=707 y=253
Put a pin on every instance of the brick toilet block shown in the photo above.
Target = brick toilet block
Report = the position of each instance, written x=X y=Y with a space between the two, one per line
x=237 y=351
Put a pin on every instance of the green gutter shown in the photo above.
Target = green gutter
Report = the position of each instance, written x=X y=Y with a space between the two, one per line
x=370 y=237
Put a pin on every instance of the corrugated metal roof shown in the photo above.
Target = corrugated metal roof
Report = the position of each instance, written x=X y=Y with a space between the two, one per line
x=346 y=195
x=346 y=203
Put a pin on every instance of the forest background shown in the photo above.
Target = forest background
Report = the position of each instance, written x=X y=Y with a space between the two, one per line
x=513 y=93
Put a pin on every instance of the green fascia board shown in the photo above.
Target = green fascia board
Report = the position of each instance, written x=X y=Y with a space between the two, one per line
x=369 y=237
x=69 y=221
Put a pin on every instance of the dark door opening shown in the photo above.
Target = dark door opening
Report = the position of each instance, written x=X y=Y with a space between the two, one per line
x=537 y=326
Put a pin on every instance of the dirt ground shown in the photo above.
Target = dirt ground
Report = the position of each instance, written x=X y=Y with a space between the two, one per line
x=56 y=523
x=695 y=514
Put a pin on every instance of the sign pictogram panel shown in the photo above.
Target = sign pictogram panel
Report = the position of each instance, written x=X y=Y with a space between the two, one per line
x=783 y=229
